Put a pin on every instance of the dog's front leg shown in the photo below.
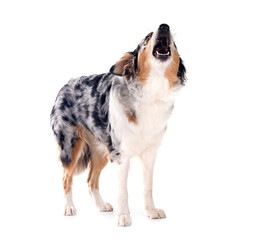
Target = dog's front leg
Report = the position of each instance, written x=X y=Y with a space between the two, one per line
x=148 y=160
x=123 y=210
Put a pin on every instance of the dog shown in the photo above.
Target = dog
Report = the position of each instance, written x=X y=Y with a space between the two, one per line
x=117 y=116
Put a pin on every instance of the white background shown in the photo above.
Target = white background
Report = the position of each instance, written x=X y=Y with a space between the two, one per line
x=210 y=173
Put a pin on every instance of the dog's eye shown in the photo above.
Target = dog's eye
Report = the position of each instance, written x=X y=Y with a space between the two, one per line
x=148 y=37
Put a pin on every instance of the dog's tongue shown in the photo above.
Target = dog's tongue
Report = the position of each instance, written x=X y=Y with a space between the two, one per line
x=162 y=49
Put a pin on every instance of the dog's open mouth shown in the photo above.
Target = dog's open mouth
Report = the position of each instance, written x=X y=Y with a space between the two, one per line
x=161 y=49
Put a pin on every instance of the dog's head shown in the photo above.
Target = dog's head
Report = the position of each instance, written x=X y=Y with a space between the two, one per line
x=156 y=50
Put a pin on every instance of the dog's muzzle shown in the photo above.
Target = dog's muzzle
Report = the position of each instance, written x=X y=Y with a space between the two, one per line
x=161 y=48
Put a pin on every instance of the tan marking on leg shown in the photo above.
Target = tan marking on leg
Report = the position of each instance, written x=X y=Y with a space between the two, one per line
x=97 y=163
x=70 y=169
x=67 y=182
x=98 y=159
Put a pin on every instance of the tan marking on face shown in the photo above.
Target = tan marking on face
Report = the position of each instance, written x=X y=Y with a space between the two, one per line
x=172 y=69
x=144 y=65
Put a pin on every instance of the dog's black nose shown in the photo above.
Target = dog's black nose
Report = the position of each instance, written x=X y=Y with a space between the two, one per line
x=164 y=27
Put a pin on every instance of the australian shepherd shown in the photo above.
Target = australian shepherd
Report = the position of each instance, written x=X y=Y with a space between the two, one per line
x=119 y=115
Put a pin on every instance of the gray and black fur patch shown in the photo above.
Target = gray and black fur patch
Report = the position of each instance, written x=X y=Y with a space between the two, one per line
x=82 y=102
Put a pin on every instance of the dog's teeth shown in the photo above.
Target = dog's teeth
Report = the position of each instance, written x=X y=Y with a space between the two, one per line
x=162 y=53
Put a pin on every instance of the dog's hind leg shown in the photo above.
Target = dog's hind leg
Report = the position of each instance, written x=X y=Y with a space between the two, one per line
x=69 y=171
x=98 y=161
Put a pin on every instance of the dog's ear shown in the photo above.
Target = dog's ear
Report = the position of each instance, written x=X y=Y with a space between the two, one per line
x=125 y=66
x=181 y=74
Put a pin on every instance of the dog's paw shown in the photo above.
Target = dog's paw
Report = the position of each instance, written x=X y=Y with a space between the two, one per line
x=156 y=213
x=124 y=220
x=105 y=207
x=70 y=211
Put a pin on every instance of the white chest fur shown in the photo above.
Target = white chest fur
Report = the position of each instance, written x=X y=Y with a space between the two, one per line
x=153 y=107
